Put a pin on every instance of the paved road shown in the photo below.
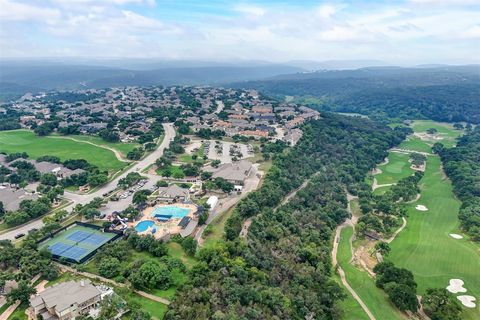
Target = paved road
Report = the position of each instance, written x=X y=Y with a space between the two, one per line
x=112 y=185
x=251 y=183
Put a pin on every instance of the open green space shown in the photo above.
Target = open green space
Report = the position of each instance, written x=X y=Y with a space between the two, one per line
x=215 y=231
x=187 y=158
x=171 y=171
x=425 y=247
x=123 y=148
x=375 y=299
x=27 y=141
x=19 y=313
x=397 y=168
x=416 y=144
x=351 y=309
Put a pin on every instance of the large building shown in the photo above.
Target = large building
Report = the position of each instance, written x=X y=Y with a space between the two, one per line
x=235 y=172
x=66 y=300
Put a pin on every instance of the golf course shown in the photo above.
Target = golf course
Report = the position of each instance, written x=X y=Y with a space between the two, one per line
x=425 y=246
x=34 y=146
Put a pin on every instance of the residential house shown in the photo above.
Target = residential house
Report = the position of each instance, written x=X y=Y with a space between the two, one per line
x=66 y=300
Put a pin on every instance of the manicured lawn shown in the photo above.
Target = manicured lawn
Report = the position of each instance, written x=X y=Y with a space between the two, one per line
x=187 y=158
x=397 y=168
x=350 y=307
x=425 y=247
x=445 y=130
x=27 y=141
x=375 y=299
x=123 y=148
x=156 y=309
x=19 y=313
x=415 y=144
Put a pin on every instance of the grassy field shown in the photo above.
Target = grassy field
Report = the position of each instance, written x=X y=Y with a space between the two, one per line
x=425 y=247
x=215 y=230
x=397 y=168
x=415 y=144
x=376 y=300
x=123 y=148
x=19 y=313
x=27 y=141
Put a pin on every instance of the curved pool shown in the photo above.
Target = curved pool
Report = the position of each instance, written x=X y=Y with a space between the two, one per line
x=167 y=212
x=144 y=225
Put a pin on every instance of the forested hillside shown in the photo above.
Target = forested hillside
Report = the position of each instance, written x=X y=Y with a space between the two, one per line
x=462 y=165
x=283 y=269
x=442 y=94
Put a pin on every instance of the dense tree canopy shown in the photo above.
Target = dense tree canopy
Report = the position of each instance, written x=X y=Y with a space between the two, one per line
x=283 y=269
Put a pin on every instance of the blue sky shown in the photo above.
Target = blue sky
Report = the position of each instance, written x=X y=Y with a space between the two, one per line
x=402 y=32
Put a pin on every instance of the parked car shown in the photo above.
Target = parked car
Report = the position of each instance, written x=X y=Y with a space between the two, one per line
x=18 y=236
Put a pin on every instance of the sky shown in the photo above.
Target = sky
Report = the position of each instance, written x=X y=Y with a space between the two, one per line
x=401 y=32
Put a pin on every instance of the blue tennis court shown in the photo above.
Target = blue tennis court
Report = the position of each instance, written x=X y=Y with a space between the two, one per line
x=76 y=242
x=79 y=236
x=58 y=248
x=74 y=253
x=96 y=239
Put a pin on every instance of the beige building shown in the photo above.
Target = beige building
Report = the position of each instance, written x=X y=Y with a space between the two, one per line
x=66 y=300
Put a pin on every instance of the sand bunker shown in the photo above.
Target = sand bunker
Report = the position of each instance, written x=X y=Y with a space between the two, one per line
x=455 y=236
x=467 y=301
x=421 y=207
x=456 y=286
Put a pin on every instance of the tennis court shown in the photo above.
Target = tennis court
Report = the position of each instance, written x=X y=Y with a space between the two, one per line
x=76 y=242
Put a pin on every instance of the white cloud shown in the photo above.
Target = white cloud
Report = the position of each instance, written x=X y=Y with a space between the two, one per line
x=250 y=10
x=278 y=31
x=15 y=11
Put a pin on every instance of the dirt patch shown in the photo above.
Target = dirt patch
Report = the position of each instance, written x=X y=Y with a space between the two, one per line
x=364 y=258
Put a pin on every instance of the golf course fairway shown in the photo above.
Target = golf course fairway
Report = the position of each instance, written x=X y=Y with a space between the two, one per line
x=425 y=247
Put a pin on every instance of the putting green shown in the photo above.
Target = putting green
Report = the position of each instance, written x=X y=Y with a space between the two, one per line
x=27 y=141
x=425 y=247
x=397 y=168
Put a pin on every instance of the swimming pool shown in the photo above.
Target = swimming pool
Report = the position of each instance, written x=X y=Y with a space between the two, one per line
x=167 y=212
x=144 y=225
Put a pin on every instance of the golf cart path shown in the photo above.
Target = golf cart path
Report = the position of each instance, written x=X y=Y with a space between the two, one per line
x=349 y=222
x=404 y=224
x=375 y=184
x=117 y=153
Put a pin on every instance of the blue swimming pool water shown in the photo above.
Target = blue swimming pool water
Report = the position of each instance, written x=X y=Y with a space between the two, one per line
x=144 y=225
x=170 y=211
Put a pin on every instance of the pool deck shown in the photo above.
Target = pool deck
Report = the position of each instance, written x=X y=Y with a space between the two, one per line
x=165 y=228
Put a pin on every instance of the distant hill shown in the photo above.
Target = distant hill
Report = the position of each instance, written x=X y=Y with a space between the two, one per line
x=446 y=93
x=23 y=77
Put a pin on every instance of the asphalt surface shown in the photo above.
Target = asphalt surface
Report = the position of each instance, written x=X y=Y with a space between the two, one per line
x=76 y=198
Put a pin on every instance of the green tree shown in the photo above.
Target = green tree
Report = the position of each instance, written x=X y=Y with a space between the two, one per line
x=109 y=267
x=439 y=304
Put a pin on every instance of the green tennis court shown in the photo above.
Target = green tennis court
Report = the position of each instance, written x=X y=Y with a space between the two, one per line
x=76 y=242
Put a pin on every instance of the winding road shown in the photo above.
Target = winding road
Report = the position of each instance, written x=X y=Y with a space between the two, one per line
x=77 y=198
